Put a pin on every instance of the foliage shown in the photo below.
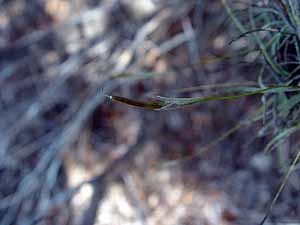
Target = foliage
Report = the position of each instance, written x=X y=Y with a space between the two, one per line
x=272 y=27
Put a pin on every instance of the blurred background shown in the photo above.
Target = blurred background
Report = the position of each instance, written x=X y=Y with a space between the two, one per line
x=70 y=155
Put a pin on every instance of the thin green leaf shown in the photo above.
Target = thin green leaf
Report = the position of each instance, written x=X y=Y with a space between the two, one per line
x=163 y=103
x=281 y=187
x=280 y=137
x=180 y=102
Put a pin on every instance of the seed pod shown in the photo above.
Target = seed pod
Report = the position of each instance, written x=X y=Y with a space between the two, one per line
x=142 y=104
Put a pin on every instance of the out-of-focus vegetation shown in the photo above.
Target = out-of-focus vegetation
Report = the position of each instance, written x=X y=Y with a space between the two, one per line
x=221 y=76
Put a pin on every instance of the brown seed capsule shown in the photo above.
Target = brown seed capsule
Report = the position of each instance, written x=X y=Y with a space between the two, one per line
x=141 y=104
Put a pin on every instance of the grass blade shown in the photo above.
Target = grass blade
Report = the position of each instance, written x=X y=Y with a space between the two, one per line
x=281 y=187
